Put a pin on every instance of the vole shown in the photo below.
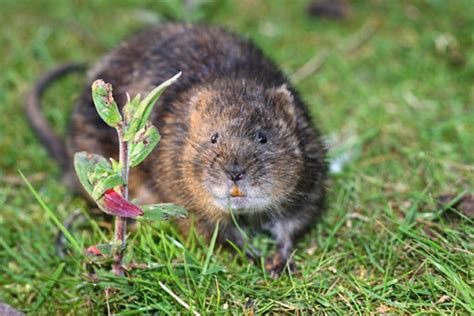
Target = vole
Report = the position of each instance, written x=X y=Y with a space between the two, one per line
x=236 y=137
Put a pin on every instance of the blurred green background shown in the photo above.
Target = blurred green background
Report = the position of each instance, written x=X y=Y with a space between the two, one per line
x=398 y=111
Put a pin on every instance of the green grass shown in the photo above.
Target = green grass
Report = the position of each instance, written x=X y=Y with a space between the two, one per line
x=402 y=106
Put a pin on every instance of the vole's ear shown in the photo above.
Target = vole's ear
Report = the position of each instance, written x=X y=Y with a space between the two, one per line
x=284 y=102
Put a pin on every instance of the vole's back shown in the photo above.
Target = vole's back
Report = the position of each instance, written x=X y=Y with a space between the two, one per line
x=201 y=52
x=204 y=54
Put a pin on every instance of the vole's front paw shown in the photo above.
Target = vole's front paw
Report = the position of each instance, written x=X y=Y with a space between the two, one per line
x=276 y=265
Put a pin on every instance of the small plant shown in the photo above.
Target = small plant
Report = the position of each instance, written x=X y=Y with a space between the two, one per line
x=106 y=181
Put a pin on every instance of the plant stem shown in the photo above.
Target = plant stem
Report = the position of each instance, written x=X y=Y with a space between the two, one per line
x=120 y=222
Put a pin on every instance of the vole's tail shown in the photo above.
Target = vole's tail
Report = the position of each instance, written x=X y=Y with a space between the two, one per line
x=38 y=122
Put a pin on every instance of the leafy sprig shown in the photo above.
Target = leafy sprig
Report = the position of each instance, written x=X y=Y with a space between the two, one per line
x=106 y=181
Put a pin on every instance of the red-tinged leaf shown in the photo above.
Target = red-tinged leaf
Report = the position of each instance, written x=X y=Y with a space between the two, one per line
x=115 y=204
x=100 y=250
x=93 y=251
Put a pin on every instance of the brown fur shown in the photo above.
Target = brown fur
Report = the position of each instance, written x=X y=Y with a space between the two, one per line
x=267 y=145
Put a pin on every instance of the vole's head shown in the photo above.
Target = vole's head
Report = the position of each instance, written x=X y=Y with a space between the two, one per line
x=243 y=151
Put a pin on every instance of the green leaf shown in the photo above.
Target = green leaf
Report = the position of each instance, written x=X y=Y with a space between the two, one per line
x=142 y=112
x=85 y=164
x=102 y=170
x=158 y=212
x=105 y=103
x=130 y=108
x=103 y=185
x=96 y=174
x=116 y=167
x=143 y=144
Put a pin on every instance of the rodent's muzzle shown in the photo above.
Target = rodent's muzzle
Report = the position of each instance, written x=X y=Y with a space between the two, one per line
x=235 y=173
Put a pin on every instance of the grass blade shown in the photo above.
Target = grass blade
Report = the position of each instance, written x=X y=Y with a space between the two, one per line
x=178 y=299
x=210 y=250
x=49 y=285
x=53 y=216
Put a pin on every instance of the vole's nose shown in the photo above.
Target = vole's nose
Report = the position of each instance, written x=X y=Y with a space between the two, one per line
x=235 y=173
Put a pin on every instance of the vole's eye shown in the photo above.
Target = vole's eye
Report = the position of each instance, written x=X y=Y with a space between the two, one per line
x=214 y=138
x=262 y=138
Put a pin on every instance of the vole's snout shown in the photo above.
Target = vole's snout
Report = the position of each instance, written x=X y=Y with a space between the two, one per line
x=235 y=173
